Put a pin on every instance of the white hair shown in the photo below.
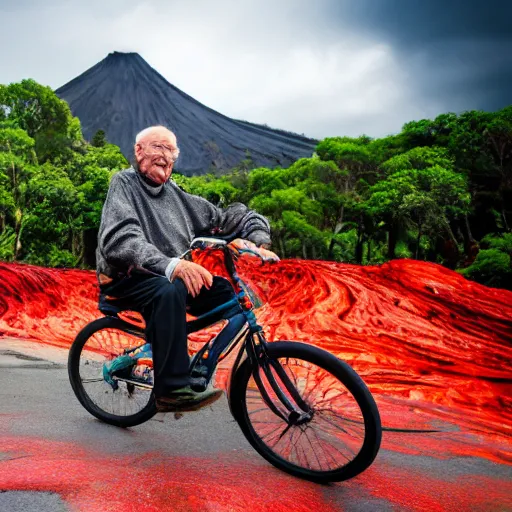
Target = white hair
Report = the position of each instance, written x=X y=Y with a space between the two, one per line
x=148 y=130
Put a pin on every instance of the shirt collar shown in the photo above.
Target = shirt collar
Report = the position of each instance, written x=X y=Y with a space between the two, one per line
x=147 y=184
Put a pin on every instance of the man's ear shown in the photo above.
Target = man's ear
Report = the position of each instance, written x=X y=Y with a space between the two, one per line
x=138 y=151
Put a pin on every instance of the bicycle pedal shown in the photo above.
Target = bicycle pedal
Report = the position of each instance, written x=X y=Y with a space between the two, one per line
x=135 y=382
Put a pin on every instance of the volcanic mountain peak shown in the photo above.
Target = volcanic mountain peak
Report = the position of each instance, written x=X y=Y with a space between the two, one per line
x=116 y=54
x=126 y=59
x=123 y=94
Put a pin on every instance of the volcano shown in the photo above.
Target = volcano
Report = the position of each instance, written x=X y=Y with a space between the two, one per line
x=123 y=94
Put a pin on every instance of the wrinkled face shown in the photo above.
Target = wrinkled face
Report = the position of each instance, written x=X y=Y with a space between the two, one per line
x=155 y=154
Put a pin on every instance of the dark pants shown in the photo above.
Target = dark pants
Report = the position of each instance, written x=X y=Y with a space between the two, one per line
x=164 y=304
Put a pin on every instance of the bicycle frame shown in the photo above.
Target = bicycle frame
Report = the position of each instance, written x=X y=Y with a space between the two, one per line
x=254 y=346
x=250 y=324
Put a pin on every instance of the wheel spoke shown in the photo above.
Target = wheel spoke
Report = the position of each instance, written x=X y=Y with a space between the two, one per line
x=312 y=448
x=333 y=447
x=327 y=453
x=350 y=425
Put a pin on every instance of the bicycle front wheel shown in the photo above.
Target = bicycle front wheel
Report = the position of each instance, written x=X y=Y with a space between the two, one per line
x=338 y=436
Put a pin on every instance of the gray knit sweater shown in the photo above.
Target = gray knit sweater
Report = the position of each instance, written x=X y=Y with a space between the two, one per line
x=147 y=226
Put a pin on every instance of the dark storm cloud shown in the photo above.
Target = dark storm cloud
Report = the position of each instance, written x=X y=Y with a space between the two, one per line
x=416 y=22
x=456 y=52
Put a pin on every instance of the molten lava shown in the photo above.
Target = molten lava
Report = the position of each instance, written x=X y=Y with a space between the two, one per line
x=430 y=344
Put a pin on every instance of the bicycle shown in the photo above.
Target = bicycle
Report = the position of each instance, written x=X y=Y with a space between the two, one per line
x=301 y=408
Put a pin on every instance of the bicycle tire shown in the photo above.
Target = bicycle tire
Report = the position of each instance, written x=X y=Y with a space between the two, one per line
x=344 y=374
x=130 y=420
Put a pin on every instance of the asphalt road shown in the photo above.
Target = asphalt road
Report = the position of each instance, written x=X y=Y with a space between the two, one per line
x=54 y=456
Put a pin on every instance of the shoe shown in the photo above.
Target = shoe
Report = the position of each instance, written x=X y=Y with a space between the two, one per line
x=198 y=384
x=186 y=399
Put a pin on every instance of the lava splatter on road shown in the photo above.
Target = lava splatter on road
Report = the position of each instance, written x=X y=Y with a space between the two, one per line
x=152 y=483
x=89 y=480
x=433 y=347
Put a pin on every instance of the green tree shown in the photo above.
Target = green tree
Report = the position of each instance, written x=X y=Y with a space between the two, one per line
x=418 y=158
x=217 y=190
x=264 y=181
x=491 y=267
x=43 y=116
x=99 y=139
x=357 y=159
x=52 y=216
x=427 y=197
x=498 y=133
x=17 y=163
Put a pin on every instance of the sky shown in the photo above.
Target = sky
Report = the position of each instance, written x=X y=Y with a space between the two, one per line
x=323 y=68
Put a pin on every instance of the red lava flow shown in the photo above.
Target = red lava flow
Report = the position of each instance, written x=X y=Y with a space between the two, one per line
x=434 y=348
x=92 y=481
x=420 y=335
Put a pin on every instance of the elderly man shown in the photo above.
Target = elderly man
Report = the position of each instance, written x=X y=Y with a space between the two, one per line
x=148 y=221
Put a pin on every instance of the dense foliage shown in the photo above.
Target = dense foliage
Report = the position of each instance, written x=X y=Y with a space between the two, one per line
x=52 y=183
x=439 y=190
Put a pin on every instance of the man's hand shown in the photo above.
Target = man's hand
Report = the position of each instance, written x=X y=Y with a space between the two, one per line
x=242 y=246
x=193 y=275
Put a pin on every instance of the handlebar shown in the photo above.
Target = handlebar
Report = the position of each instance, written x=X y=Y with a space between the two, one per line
x=203 y=241
x=214 y=243
x=235 y=251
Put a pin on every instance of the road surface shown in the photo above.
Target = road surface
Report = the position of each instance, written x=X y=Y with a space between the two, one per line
x=54 y=457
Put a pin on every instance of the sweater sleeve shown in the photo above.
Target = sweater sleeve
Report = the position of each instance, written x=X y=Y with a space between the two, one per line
x=235 y=221
x=121 y=240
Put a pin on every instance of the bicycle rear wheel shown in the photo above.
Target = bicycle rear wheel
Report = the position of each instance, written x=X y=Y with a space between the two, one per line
x=98 y=343
x=340 y=435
